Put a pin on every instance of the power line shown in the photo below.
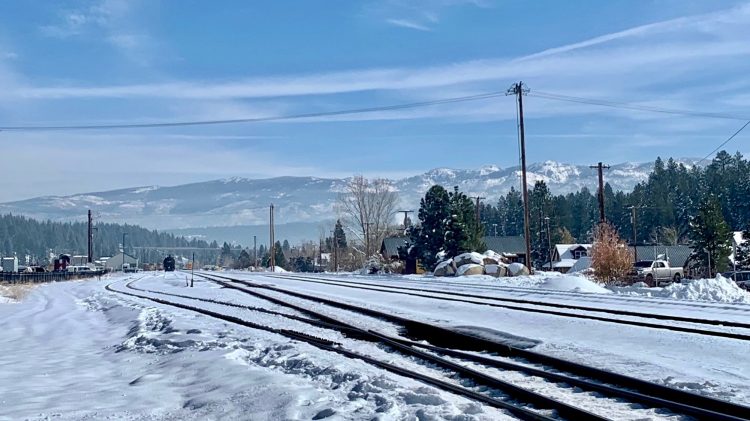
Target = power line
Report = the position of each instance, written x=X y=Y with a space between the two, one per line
x=259 y=119
x=631 y=106
x=725 y=142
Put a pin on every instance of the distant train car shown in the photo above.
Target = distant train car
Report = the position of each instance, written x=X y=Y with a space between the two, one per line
x=169 y=264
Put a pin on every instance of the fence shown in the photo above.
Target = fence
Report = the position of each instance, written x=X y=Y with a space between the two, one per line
x=14 y=277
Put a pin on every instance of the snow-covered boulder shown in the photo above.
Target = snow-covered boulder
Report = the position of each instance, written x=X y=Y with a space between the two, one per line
x=470 y=269
x=445 y=268
x=493 y=258
x=498 y=271
x=468 y=258
x=517 y=269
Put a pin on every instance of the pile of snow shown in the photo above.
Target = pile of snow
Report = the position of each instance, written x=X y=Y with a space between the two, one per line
x=574 y=284
x=276 y=269
x=719 y=289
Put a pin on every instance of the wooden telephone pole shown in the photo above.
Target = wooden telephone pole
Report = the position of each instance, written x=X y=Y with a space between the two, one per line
x=600 y=169
x=478 y=198
x=519 y=89
x=91 y=239
x=273 y=244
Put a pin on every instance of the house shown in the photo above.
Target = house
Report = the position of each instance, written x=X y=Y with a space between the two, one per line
x=565 y=256
x=390 y=245
x=677 y=256
x=116 y=262
x=512 y=247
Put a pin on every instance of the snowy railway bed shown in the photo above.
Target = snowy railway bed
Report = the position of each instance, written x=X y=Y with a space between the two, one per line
x=651 y=394
x=147 y=347
x=520 y=411
x=635 y=318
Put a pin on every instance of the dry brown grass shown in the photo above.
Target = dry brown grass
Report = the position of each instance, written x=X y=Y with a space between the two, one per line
x=16 y=292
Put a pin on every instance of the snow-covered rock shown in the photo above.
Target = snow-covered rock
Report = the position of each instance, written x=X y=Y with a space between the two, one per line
x=469 y=258
x=445 y=268
x=497 y=270
x=470 y=269
x=517 y=269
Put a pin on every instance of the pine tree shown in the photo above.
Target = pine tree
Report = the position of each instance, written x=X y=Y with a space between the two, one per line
x=279 y=258
x=742 y=255
x=340 y=235
x=243 y=261
x=429 y=237
x=455 y=236
x=710 y=236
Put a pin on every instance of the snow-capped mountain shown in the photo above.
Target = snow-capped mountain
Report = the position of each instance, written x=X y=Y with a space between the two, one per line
x=241 y=201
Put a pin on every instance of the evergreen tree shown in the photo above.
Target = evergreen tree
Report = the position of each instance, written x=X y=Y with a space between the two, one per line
x=429 y=237
x=711 y=237
x=279 y=258
x=463 y=228
x=340 y=235
x=455 y=236
x=742 y=255
x=285 y=246
x=243 y=261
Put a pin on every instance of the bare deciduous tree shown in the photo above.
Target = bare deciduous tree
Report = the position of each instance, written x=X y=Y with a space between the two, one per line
x=610 y=257
x=368 y=208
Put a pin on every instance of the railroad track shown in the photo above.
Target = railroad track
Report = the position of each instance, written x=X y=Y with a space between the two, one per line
x=500 y=302
x=519 y=410
x=442 y=341
x=520 y=291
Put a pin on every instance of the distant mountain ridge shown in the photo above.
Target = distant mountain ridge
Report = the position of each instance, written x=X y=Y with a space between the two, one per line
x=242 y=201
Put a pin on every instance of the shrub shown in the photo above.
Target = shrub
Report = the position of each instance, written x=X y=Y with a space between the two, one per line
x=610 y=257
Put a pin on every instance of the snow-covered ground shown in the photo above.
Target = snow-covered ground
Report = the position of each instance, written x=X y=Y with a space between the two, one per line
x=73 y=350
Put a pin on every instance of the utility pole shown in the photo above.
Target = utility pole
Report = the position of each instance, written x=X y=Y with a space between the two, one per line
x=255 y=252
x=549 y=242
x=192 y=270
x=635 y=232
x=123 y=251
x=91 y=239
x=518 y=89
x=600 y=168
x=478 y=198
x=406 y=215
x=367 y=239
x=273 y=244
x=335 y=244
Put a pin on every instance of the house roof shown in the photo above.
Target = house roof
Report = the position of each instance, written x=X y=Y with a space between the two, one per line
x=509 y=244
x=581 y=264
x=565 y=251
x=564 y=263
x=390 y=245
x=676 y=255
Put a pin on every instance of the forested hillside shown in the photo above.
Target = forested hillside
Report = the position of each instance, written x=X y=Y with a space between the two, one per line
x=23 y=236
x=664 y=205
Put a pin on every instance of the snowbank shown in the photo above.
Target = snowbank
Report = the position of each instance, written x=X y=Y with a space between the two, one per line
x=720 y=289
x=573 y=283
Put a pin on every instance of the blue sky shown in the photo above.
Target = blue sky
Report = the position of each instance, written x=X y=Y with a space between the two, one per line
x=116 y=61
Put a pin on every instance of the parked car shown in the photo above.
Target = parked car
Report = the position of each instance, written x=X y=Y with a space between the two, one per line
x=742 y=277
x=656 y=272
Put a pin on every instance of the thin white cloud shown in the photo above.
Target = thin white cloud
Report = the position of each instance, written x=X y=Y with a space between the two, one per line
x=405 y=23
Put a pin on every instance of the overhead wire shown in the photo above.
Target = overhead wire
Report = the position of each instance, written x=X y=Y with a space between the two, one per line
x=258 y=119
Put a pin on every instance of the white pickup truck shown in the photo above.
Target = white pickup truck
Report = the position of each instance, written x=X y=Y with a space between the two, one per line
x=656 y=272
